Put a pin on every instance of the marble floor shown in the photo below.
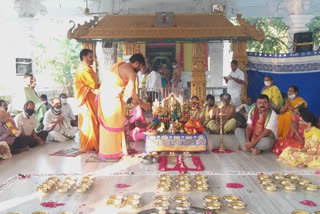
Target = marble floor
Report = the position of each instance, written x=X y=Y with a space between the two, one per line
x=18 y=194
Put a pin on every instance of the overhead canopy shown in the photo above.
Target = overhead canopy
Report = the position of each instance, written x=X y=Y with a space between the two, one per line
x=165 y=26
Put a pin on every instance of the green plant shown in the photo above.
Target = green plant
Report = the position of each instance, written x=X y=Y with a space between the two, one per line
x=314 y=27
x=276 y=36
x=61 y=64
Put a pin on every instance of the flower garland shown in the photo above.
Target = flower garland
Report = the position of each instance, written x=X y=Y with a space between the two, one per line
x=308 y=203
x=181 y=167
x=234 y=185
x=52 y=204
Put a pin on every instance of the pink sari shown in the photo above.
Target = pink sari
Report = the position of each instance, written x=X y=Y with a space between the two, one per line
x=289 y=141
x=136 y=133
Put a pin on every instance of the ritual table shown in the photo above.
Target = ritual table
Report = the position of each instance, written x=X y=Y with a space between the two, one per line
x=176 y=143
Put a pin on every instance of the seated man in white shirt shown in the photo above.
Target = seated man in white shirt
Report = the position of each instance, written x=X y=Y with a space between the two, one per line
x=242 y=112
x=67 y=111
x=57 y=124
x=26 y=123
x=261 y=131
x=153 y=84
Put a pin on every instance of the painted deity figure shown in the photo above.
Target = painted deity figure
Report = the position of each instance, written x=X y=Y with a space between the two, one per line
x=193 y=126
x=185 y=114
x=173 y=108
x=157 y=124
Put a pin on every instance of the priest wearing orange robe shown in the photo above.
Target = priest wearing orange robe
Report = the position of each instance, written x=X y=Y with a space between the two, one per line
x=86 y=88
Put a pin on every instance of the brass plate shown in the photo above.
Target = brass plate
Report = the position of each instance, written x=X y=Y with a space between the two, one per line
x=231 y=197
x=300 y=212
x=237 y=205
x=270 y=187
x=311 y=187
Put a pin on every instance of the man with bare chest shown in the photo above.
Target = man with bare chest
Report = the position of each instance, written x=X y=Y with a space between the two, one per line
x=228 y=114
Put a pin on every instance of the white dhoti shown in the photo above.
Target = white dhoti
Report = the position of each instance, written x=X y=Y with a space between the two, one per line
x=62 y=132
x=234 y=88
x=235 y=98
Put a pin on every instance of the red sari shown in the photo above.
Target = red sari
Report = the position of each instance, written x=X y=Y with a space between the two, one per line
x=290 y=141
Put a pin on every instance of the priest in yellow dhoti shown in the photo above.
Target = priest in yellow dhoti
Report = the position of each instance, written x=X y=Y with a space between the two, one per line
x=309 y=155
x=208 y=114
x=228 y=116
x=111 y=106
x=86 y=87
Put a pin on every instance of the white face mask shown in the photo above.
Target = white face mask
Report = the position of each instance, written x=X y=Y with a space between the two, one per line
x=44 y=102
x=63 y=101
x=292 y=96
x=267 y=83
x=174 y=66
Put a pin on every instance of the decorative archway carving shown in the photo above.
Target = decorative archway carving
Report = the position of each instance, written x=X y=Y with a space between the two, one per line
x=198 y=28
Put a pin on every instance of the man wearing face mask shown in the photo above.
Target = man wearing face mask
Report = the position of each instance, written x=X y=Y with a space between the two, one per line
x=44 y=100
x=293 y=103
x=273 y=92
x=67 y=111
x=26 y=123
x=235 y=81
x=10 y=135
x=57 y=124
x=261 y=131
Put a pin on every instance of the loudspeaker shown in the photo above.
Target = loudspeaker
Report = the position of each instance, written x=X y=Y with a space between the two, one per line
x=303 y=42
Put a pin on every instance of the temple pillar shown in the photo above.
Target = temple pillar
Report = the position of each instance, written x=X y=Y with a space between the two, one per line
x=141 y=48
x=240 y=54
x=198 y=78
x=106 y=57
x=215 y=74
x=297 y=18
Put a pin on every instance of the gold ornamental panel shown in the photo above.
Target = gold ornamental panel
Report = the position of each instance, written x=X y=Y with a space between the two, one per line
x=130 y=48
x=198 y=78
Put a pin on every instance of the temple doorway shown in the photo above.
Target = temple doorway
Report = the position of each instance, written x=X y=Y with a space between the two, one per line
x=161 y=53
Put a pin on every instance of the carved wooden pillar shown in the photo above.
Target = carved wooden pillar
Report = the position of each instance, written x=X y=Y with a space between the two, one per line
x=130 y=48
x=198 y=78
x=240 y=54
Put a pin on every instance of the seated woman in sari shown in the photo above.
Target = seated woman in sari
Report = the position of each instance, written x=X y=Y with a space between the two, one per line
x=273 y=93
x=293 y=102
x=193 y=126
x=309 y=155
x=295 y=137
